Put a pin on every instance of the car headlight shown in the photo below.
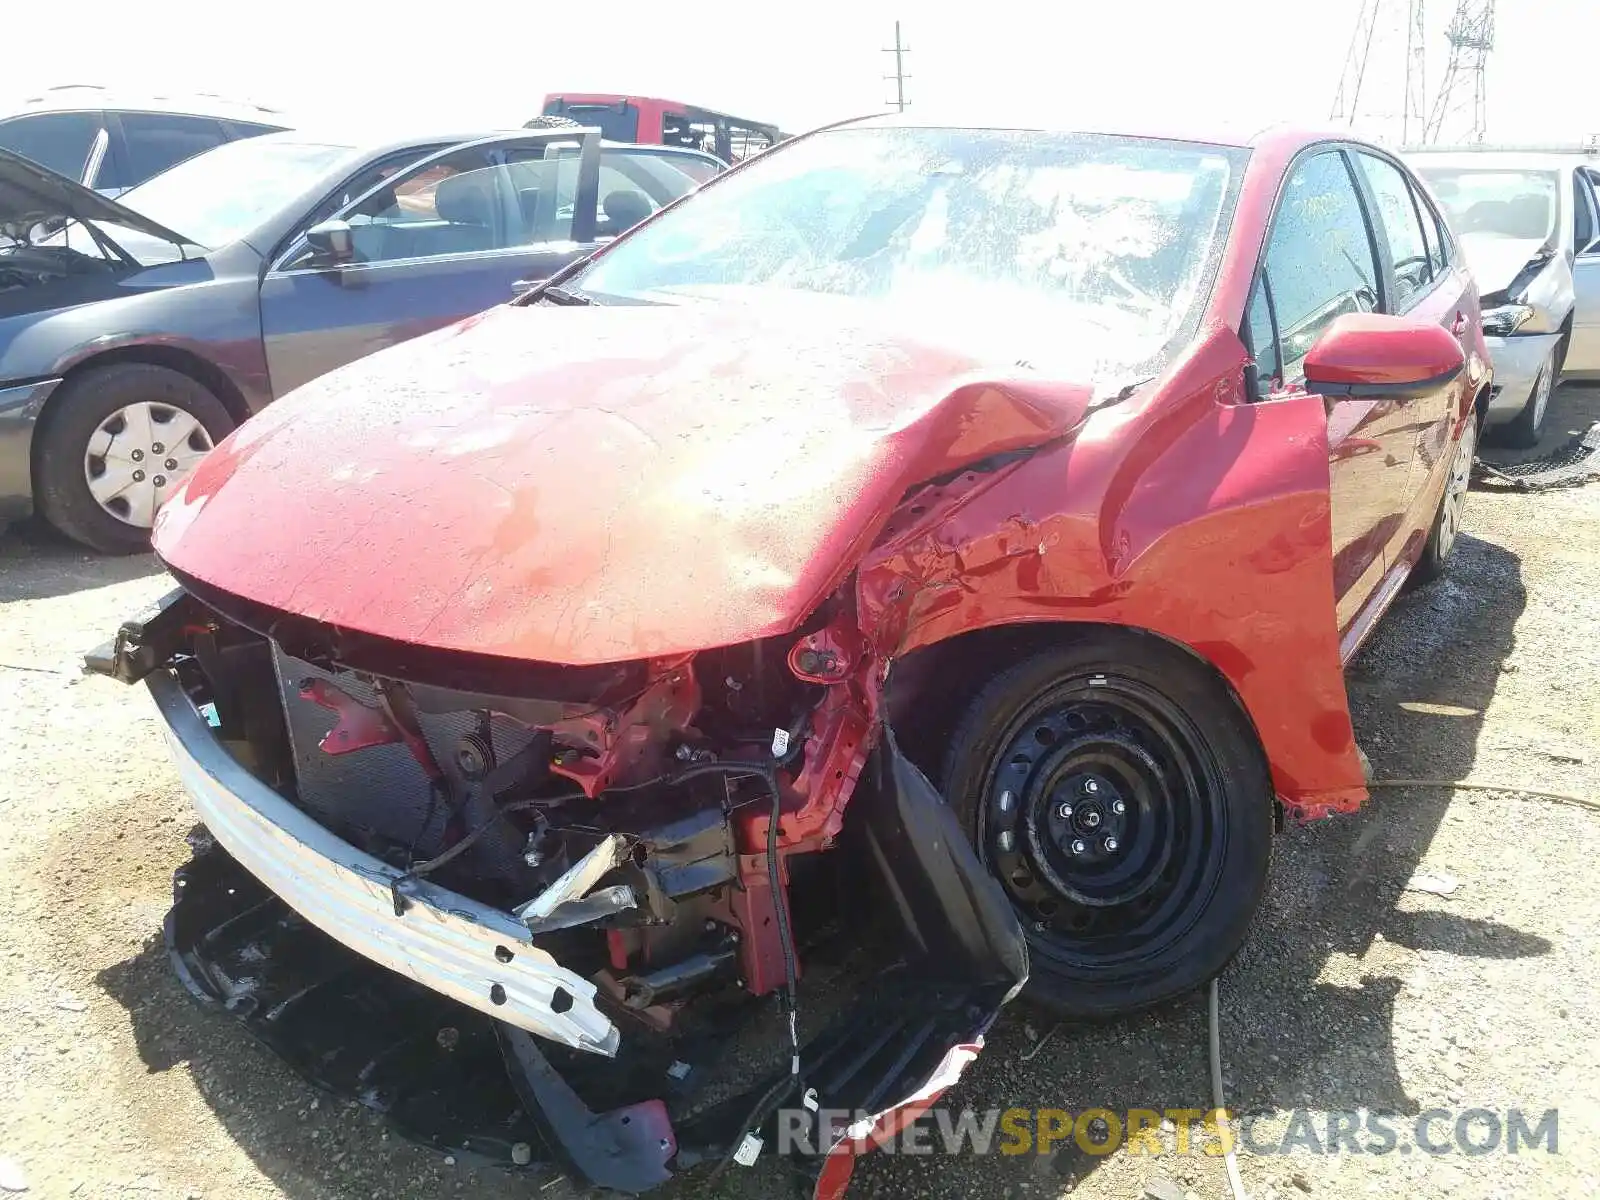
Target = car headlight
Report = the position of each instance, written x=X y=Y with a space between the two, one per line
x=1506 y=319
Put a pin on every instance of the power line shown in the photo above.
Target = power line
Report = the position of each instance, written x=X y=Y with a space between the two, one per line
x=899 y=50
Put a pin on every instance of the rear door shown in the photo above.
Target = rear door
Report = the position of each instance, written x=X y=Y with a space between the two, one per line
x=1583 y=351
x=1322 y=262
x=1419 y=283
x=435 y=242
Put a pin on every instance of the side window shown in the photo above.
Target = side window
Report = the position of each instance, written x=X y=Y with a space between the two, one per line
x=155 y=141
x=1583 y=212
x=1319 y=261
x=634 y=183
x=1263 y=337
x=1430 y=232
x=60 y=141
x=1433 y=229
x=247 y=129
x=450 y=206
x=1410 y=272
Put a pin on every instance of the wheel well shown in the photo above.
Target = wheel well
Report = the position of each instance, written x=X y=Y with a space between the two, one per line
x=930 y=688
x=185 y=362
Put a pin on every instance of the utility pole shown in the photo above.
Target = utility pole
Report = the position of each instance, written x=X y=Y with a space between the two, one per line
x=1378 y=21
x=1471 y=38
x=899 y=50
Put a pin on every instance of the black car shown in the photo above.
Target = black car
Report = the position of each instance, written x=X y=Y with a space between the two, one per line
x=136 y=333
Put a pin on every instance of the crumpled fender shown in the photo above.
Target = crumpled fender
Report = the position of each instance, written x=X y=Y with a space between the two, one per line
x=1200 y=517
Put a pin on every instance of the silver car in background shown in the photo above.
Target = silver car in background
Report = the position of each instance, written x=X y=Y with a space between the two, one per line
x=1529 y=224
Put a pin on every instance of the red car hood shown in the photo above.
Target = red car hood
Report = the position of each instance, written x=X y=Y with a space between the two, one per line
x=584 y=485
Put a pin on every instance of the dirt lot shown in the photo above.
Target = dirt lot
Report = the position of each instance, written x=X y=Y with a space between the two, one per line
x=1353 y=993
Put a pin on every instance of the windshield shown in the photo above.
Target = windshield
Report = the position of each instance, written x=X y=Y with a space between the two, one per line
x=1095 y=250
x=1508 y=204
x=219 y=196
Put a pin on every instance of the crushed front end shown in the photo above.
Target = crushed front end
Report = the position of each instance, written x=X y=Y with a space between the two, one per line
x=602 y=920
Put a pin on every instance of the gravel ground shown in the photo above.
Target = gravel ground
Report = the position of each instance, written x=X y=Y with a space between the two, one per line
x=1353 y=993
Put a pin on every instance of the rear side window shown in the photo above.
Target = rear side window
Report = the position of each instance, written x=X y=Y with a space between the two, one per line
x=152 y=142
x=60 y=141
x=1433 y=229
x=1320 y=262
x=1410 y=263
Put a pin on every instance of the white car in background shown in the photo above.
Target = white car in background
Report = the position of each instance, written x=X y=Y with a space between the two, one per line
x=1529 y=224
x=111 y=140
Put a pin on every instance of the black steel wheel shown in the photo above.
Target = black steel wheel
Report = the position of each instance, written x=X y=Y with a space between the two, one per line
x=1117 y=791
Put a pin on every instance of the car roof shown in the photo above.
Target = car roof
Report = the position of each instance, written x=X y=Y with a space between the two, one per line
x=379 y=140
x=73 y=97
x=1505 y=158
x=1242 y=133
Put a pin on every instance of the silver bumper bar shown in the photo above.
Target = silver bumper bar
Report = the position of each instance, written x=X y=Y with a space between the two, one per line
x=465 y=950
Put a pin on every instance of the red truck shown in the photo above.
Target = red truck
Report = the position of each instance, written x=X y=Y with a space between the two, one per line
x=665 y=123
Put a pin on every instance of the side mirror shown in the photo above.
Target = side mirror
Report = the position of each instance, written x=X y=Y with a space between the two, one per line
x=1372 y=354
x=331 y=243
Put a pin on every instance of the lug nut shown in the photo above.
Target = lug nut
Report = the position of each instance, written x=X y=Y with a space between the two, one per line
x=1111 y=845
x=137 y=456
x=156 y=447
x=1118 y=807
x=1091 y=787
x=138 y=476
x=161 y=481
x=1077 y=846
x=1065 y=812
x=171 y=464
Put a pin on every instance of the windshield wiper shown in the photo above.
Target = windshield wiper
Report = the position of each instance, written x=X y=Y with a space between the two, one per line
x=559 y=295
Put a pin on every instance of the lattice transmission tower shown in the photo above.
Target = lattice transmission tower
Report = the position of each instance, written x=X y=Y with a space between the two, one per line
x=1471 y=38
x=1370 y=43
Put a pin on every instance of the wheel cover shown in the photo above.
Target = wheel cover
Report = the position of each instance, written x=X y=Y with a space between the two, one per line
x=1455 y=489
x=138 y=456
x=1104 y=819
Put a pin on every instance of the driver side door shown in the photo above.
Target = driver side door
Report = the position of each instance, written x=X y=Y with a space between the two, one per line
x=1583 y=350
x=432 y=244
x=1322 y=262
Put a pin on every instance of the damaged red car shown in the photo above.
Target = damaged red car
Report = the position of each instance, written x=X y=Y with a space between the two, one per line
x=918 y=566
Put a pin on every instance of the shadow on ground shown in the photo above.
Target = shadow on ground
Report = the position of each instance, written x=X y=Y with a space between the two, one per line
x=37 y=563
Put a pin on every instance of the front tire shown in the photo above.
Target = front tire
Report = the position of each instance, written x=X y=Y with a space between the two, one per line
x=114 y=443
x=1118 y=792
x=1525 y=430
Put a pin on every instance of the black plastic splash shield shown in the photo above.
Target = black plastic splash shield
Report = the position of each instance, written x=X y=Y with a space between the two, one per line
x=1575 y=461
x=433 y=1067
x=462 y=1083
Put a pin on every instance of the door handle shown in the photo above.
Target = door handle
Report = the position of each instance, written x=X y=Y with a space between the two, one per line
x=1460 y=326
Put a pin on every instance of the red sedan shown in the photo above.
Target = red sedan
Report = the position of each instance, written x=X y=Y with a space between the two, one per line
x=949 y=538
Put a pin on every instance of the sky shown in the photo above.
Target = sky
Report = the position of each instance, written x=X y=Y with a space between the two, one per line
x=488 y=63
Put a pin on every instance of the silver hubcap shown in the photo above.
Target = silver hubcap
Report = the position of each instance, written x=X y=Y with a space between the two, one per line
x=1541 y=392
x=139 y=455
x=1455 y=489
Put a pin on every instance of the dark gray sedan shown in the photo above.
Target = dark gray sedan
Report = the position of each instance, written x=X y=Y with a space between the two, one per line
x=136 y=333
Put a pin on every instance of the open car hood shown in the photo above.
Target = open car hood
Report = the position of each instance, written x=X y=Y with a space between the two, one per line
x=585 y=485
x=30 y=194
